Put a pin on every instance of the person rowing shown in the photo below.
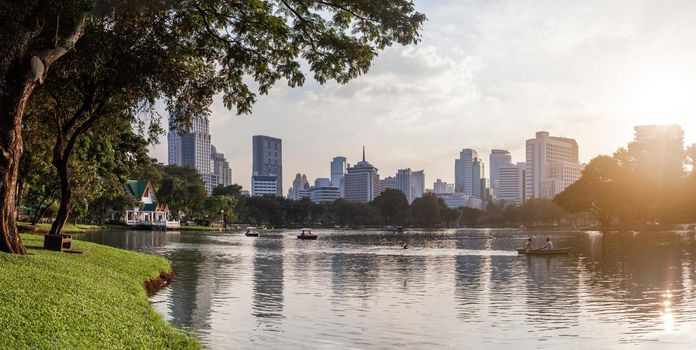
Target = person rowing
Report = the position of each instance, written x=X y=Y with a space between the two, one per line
x=528 y=246
x=548 y=246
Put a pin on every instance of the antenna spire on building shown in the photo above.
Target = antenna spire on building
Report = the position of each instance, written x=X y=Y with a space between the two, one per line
x=363 y=153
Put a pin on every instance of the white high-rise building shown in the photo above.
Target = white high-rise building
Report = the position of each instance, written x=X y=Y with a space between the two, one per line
x=498 y=158
x=544 y=153
x=323 y=191
x=649 y=133
x=511 y=183
x=361 y=183
x=418 y=180
x=404 y=183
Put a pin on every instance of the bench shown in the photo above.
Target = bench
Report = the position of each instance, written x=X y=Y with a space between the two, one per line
x=57 y=243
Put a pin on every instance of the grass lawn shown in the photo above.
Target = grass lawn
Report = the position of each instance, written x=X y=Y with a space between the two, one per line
x=67 y=229
x=94 y=300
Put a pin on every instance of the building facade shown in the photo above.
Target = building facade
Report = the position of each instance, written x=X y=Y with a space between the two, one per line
x=361 y=183
x=404 y=183
x=468 y=171
x=267 y=159
x=458 y=199
x=497 y=159
x=441 y=187
x=300 y=187
x=191 y=147
x=262 y=185
x=418 y=180
x=323 y=191
x=221 y=167
x=511 y=183
x=543 y=153
x=338 y=170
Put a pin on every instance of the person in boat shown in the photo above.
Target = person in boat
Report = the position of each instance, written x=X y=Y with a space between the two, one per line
x=302 y=234
x=528 y=246
x=405 y=245
x=549 y=244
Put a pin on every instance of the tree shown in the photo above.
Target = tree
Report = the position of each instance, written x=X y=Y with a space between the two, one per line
x=426 y=210
x=183 y=190
x=233 y=190
x=216 y=43
x=222 y=206
x=449 y=215
x=596 y=192
x=391 y=203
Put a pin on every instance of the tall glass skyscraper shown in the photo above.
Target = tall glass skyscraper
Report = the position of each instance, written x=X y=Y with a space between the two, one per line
x=190 y=146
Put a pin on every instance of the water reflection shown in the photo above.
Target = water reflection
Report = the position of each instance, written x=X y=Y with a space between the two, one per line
x=455 y=287
x=267 y=301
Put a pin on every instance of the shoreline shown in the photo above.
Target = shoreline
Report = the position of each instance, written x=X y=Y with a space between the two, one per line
x=97 y=299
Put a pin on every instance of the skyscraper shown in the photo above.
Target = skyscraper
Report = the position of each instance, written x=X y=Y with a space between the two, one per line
x=221 y=167
x=361 y=182
x=552 y=165
x=190 y=146
x=268 y=160
x=497 y=159
x=464 y=176
x=404 y=183
x=338 y=170
x=300 y=187
x=418 y=179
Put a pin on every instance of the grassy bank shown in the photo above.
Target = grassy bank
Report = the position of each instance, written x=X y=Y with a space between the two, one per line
x=91 y=300
x=67 y=229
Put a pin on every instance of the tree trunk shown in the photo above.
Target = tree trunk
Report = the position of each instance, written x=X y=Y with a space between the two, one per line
x=65 y=196
x=16 y=88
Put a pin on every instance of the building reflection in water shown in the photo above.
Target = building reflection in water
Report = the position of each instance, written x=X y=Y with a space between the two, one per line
x=267 y=304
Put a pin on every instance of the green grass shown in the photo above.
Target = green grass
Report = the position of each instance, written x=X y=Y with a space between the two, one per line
x=68 y=228
x=95 y=300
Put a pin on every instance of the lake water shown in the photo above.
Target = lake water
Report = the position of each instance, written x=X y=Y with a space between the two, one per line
x=459 y=289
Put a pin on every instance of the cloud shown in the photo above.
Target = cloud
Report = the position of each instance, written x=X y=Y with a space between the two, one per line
x=487 y=74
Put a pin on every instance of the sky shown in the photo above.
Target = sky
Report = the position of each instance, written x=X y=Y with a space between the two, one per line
x=486 y=75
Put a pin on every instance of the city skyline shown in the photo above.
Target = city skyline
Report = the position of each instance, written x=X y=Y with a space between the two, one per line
x=472 y=83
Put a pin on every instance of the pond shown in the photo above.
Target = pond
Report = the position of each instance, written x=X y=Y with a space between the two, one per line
x=464 y=288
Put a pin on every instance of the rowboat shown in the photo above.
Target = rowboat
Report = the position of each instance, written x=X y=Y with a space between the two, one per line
x=558 y=251
x=307 y=234
x=251 y=232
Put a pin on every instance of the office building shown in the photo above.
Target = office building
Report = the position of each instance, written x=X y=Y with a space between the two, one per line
x=324 y=191
x=338 y=170
x=544 y=153
x=418 y=180
x=361 y=182
x=300 y=188
x=663 y=133
x=267 y=159
x=498 y=158
x=441 y=187
x=511 y=183
x=388 y=182
x=262 y=185
x=190 y=146
x=221 y=167
x=468 y=171
x=404 y=183
x=458 y=199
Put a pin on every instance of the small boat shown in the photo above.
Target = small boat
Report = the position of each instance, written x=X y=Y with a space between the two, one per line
x=307 y=234
x=251 y=232
x=558 y=251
